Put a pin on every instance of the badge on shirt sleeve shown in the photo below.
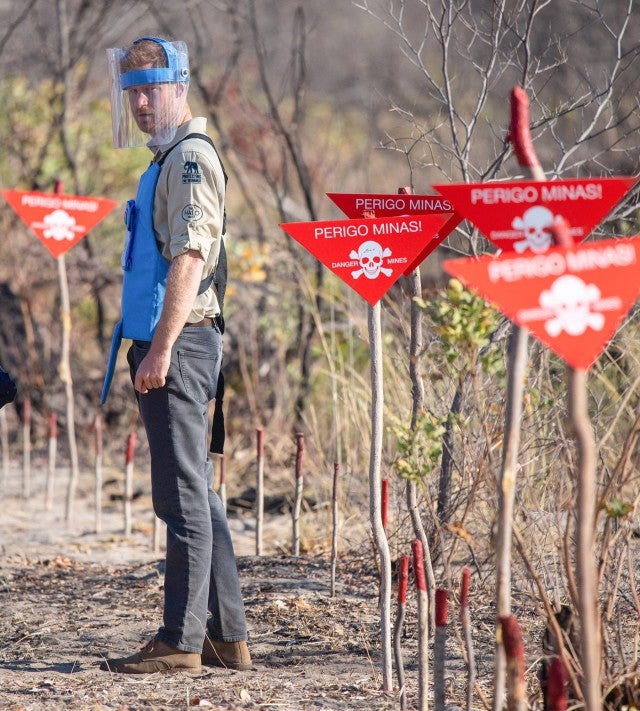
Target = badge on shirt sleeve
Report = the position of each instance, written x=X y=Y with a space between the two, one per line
x=191 y=172
x=191 y=213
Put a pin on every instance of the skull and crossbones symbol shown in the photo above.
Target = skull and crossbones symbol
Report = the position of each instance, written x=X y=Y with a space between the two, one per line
x=536 y=224
x=58 y=225
x=571 y=301
x=370 y=256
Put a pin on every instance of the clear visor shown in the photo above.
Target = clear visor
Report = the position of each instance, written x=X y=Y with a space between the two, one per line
x=148 y=103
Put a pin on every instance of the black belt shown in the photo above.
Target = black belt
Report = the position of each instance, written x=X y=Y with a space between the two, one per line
x=206 y=321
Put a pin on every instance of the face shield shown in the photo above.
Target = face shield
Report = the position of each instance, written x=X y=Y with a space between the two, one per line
x=149 y=83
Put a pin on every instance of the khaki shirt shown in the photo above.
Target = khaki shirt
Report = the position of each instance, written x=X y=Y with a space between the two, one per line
x=188 y=207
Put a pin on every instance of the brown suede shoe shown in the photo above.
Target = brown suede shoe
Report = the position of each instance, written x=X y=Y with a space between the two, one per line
x=155 y=656
x=230 y=655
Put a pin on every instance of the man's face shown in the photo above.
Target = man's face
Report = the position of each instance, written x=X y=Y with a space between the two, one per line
x=154 y=106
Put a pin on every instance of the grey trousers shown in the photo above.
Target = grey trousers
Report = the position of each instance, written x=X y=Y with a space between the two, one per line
x=201 y=575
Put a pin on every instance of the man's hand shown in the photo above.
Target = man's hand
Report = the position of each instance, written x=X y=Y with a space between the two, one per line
x=152 y=371
x=183 y=281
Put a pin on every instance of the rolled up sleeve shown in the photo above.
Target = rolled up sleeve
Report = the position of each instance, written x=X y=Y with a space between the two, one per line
x=194 y=206
x=188 y=210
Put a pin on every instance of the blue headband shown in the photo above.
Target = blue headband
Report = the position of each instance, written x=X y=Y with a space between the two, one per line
x=176 y=71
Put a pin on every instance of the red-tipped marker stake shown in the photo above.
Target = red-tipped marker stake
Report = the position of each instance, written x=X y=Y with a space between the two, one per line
x=520 y=138
x=556 y=691
x=97 y=438
x=259 y=488
x=51 y=467
x=4 y=446
x=26 y=445
x=128 y=481
x=334 y=526
x=520 y=134
x=514 y=653
x=385 y=503
x=439 y=649
x=297 y=499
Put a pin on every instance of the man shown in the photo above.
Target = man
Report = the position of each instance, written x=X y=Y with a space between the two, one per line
x=171 y=311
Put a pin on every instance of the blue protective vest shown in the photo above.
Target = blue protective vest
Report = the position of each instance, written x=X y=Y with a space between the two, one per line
x=145 y=273
x=145 y=269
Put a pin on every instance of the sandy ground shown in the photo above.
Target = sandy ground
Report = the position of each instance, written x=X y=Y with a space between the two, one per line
x=70 y=596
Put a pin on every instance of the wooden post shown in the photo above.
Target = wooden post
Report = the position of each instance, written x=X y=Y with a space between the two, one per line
x=586 y=568
x=375 y=514
x=297 y=498
x=520 y=137
x=97 y=438
x=51 y=467
x=64 y=370
x=259 y=488
x=416 y=345
x=4 y=443
x=334 y=526
x=403 y=581
x=423 y=626
x=128 y=481
x=374 y=324
x=465 y=622
x=26 y=445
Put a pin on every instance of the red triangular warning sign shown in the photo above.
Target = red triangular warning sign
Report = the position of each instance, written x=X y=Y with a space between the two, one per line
x=517 y=215
x=58 y=221
x=388 y=205
x=369 y=255
x=571 y=299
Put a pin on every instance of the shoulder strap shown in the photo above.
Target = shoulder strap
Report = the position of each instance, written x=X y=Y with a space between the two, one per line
x=219 y=277
x=202 y=136
x=206 y=138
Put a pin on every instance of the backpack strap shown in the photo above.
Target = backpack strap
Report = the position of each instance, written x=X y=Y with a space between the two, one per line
x=206 y=138
x=219 y=277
